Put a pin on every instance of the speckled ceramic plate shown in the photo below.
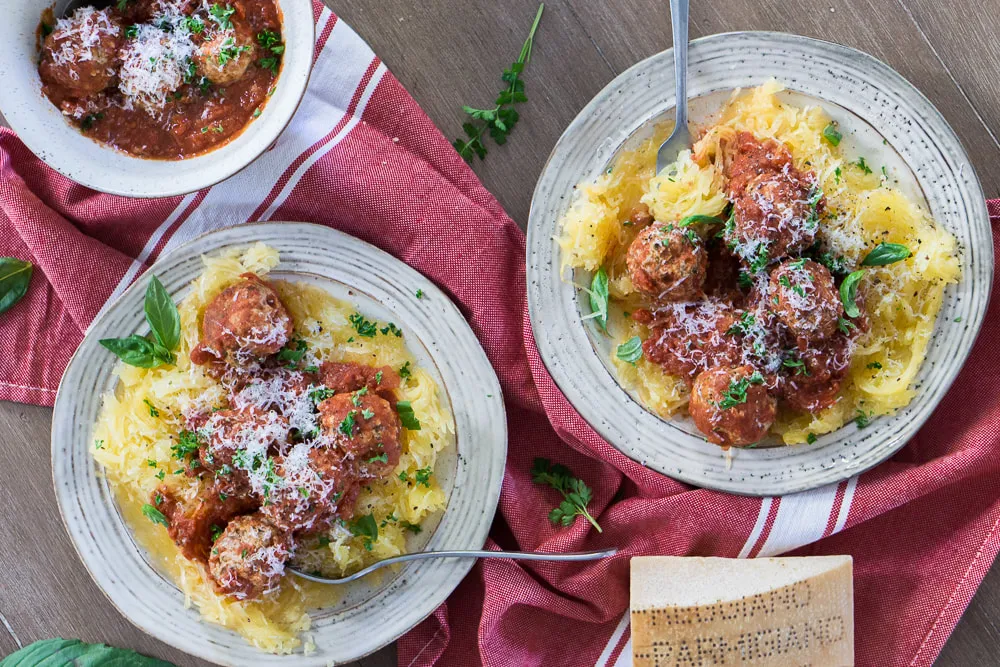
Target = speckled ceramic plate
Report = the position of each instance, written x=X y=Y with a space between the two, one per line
x=884 y=118
x=44 y=129
x=371 y=613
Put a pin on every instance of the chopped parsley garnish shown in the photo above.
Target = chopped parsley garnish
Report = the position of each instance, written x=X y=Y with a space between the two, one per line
x=364 y=327
x=270 y=63
x=216 y=532
x=132 y=32
x=742 y=327
x=863 y=419
x=222 y=15
x=347 y=425
x=98 y=444
x=153 y=412
x=412 y=527
x=160 y=475
x=155 y=515
x=760 y=259
x=367 y=414
x=391 y=328
x=423 y=476
x=736 y=394
x=406 y=416
x=195 y=25
x=366 y=528
x=381 y=458
x=187 y=443
x=230 y=51
x=404 y=371
x=874 y=366
x=356 y=396
x=811 y=438
x=836 y=175
x=845 y=326
x=320 y=394
x=576 y=495
x=419 y=294
x=796 y=363
x=862 y=165
x=88 y=121
x=293 y=352
x=745 y=280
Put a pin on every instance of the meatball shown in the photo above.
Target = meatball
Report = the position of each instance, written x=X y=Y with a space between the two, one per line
x=249 y=557
x=731 y=406
x=366 y=428
x=225 y=57
x=348 y=377
x=749 y=157
x=688 y=338
x=774 y=217
x=240 y=441
x=318 y=486
x=80 y=54
x=284 y=391
x=668 y=263
x=806 y=299
x=246 y=322
x=812 y=377
x=192 y=526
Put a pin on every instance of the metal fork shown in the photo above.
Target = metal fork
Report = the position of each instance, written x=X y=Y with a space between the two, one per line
x=681 y=137
x=512 y=555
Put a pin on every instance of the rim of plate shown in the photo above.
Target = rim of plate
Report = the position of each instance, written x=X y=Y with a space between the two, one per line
x=152 y=602
x=867 y=89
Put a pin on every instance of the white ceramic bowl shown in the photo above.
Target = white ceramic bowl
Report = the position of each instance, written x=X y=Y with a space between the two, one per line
x=372 y=612
x=42 y=127
x=872 y=103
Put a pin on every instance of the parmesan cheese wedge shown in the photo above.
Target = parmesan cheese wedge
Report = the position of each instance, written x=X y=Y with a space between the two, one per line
x=725 y=611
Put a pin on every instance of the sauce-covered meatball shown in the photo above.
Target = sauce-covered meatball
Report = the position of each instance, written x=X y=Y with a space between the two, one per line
x=668 y=262
x=731 y=406
x=318 y=486
x=688 y=338
x=249 y=557
x=776 y=208
x=367 y=430
x=812 y=377
x=225 y=57
x=192 y=526
x=348 y=377
x=80 y=53
x=806 y=299
x=239 y=441
x=246 y=322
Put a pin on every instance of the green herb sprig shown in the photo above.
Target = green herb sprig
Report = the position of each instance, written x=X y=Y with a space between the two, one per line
x=155 y=349
x=75 y=652
x=366 y=528
x=501 y=119
x=598 y=293
x=883 y=255
x=576 y=495
x=630 y=351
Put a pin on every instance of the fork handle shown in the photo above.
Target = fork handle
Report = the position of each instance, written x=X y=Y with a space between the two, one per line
x=679 y=10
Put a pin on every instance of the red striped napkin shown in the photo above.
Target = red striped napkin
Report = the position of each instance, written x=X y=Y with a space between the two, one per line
x=361 y=156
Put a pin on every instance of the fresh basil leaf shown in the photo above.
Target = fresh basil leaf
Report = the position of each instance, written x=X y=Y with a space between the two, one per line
x=849 y=292
x=75 y=653
x=406 y=416
x=15 y=274
x=631 y=350
x=831 y=134
x=695 y=219
x=161 y=314
x=134 y=351
x=599 y=298
x=163 y=354
x=886 y=253
x=155 y=515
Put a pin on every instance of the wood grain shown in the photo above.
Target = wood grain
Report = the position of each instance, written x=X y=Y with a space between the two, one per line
x=449 y=53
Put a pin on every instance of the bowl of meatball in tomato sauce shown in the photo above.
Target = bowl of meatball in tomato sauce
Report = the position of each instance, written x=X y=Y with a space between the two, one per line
x=154 y=98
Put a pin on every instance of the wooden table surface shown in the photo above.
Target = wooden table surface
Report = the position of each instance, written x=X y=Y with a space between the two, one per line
x=449 y=53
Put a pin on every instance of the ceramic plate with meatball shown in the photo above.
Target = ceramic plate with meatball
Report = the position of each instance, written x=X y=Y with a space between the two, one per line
x=165 y=79
x=273 y=419
x=767 y=312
